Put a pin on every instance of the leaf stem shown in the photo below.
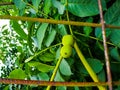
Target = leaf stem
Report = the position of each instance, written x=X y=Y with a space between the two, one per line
x=94 y=38
x=55 y=71
x=87 y=66
x=68 y=17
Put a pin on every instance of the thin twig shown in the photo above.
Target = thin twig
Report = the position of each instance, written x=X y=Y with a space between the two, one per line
x=55 y=21
x=105 y=46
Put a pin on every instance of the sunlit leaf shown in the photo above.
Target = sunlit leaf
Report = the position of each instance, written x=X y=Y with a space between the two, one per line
x=50 y=38
x=17 y=74
x=19 y=4
x=40 y=66
x=30 y=33
x=58 y=77
x=47 y=5
x=36 y=3
x=43 y=76
x=47 y=57
x=59 y=6
x=41 y=33
x=62 y=30
x=19 y=30
x=65 y=68
x=58 y=53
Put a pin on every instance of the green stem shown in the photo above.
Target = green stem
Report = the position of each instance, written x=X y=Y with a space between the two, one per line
x=94 y=38
x=87 y=66
x=68 y=18
x=55 y=71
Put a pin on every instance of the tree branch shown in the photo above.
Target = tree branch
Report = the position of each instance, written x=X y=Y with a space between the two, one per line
x=105 y=47
x=75 y=23
x=6 y=3
x=46 y=83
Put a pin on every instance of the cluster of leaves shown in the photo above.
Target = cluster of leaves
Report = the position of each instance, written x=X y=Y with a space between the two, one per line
x=32 y=38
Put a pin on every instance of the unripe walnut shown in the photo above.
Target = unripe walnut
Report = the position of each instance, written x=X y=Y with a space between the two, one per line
x=68 y=40
x=66 y=51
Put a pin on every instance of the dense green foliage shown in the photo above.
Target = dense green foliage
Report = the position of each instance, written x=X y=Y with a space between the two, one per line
x=42 y=42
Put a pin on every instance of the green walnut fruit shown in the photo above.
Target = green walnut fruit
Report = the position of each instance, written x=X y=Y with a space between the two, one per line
x=68 y=40
x=66 y=51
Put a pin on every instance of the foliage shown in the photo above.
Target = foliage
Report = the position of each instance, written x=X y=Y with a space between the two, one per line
x=24 y=39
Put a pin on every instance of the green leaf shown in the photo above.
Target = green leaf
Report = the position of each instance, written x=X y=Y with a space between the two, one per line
x=36 y=3
x=95 y=64
x=47 y=57
x=113 y=13
x=33 y=77
x=17 y=74
x=6 y=87
x=118 y=87
x=62 y=30
x=115 y=37
x=19 y=30
x=98 y=33
x=100 y=45
x=43 y=76
x=65 y=68
x=115 y=67
x=115 y=54
x=20 y=4
x=58 y=53
x=102 y=76
x=30 y=33
x=83 y=8
x=111 y=17
x=76 y=88
x=88 y=30
x=47 y=5
x=61 y=88
x=40 y=66
x=59 y=6
x=41 y=33
x=58 y=77
x=50 y=38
